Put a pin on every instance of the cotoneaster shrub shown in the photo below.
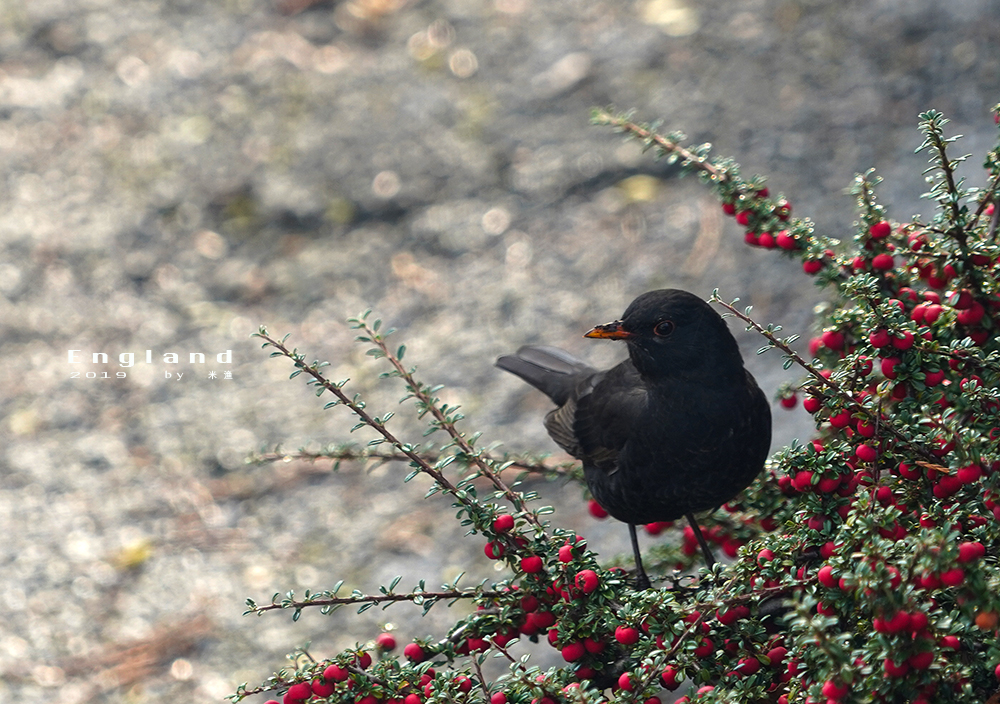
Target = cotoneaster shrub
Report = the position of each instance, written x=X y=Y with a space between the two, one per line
x=863 y=562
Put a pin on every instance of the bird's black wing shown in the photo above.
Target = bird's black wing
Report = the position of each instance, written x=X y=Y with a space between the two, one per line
x=608 y=415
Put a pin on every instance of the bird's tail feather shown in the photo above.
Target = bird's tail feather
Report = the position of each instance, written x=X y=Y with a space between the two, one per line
x=551 y=370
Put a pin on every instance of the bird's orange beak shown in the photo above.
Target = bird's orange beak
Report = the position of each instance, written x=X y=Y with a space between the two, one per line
x=610 y=331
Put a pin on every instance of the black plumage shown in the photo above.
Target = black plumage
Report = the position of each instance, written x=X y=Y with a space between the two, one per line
x=677 y=428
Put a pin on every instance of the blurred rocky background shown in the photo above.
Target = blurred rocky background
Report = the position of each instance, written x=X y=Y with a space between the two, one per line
x=175 y=173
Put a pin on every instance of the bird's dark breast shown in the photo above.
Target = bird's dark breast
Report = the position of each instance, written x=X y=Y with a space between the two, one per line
x=694 y=451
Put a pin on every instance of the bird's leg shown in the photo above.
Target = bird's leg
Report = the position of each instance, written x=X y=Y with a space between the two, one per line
x=709 y=559
x=641 y=580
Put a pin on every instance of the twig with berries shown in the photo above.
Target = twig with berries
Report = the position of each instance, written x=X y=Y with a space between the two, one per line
x=843 y=395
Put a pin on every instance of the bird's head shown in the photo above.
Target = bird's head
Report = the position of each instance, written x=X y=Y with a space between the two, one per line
x=670 y=333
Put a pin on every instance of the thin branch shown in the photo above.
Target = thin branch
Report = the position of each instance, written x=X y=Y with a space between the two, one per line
x=415 y=597
x=448 y=426
x=368 y=420
x=667 y=146
x=939 y=145
x=563 y=469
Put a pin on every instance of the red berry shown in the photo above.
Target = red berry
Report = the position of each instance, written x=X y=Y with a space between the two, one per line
x=969 y=473
x=335 y=673
x=802 y=481
x=897 y=623
x=865 y=429
x=671 y=678
x=841 y=420
x=766 y=240
x=531 y=564
x=952 y=577
x=866 y=453
x=889 y=367
x=789 y=401
x=414 y=653
x=415 y=699
x=572 y=652
x=503 y=523
x=494 y=550
x=811 y=404
x=299 y=691
x=730 y=616
x=497 y=698
x=879 y=338
x=933 y=377
x=777 y=655
x=967 y=552
x=743 y=218
x=566 y=553
x=543 y=619
x=625 y=682
x=786 y=241
x=825 y=576
x=322 y=688
x=385 y=641
x=812 y=266
x=835 y=690
x=626 y=635
x=833 y=339
x=947 y=486
x=729 y=208
x=921 y=661
x=903 y=340
x=705 y=649
x=894 y=670
x=880 y=230
x=950 y=642
x=882 y=262
x=587 y=581
x=594 y=646
x=364 y=660
x=971 y=315
x=655 y=528
x=596 y=510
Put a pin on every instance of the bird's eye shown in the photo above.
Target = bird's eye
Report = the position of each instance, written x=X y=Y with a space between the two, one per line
x=663 y=328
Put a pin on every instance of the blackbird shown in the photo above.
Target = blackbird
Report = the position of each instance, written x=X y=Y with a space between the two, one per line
x=677 y=428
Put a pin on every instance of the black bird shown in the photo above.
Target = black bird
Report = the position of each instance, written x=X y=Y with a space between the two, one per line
x=677 y=428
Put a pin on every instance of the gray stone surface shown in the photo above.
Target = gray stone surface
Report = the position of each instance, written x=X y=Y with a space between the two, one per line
x=176 y=173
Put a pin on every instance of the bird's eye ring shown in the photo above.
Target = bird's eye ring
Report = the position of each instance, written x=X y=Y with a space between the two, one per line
x=663 y=328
